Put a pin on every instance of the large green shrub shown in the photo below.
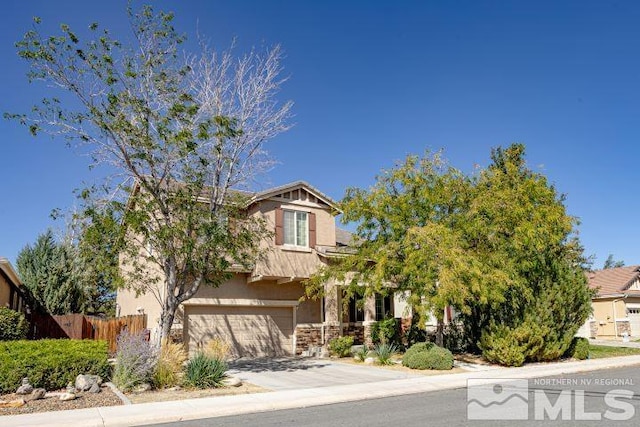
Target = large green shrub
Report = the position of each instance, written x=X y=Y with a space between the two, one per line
x=428 y=356
x=50 y=364
x=13 y=325
x=437 y=358
x=579 y=348
x=341 y=346
x=416 y=348
x=205 y=371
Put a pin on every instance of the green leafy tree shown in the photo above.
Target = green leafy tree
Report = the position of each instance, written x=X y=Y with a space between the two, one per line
x=521 y=217
x=180 y=129
x=411 y=231
x=498 y=246
x=51 y=276
x=610 y=262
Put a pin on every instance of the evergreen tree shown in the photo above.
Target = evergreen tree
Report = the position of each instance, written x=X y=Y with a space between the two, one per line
x=50 y=275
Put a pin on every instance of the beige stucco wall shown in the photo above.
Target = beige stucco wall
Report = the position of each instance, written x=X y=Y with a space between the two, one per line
x=603 y=313
x=238 y=289
x=5 y=292
x=128 y=303
x=235 y=289
x=325 y=222
x=283 y=261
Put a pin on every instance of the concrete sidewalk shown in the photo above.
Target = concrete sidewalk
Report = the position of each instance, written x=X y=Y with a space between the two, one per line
x=615 y=343
x=164 y=412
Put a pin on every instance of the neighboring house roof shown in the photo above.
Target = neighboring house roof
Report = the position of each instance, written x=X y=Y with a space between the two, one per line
x=612 y=281
x=344 y=237
x=8 y=270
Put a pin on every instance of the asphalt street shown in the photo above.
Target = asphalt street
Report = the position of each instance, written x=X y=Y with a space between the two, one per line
x=606 y=397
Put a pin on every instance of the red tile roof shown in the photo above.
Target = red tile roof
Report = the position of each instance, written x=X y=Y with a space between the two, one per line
x=613 y=280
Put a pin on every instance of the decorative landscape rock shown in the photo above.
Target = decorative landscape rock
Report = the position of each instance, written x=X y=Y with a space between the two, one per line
x=86 y=382
x=12 y=403
x=95 y=388
x=71 y=388
x=369 y=361
x=232 y=382
x=38 y=394
x=25 y=388
x=142 y=388
x=67 y=396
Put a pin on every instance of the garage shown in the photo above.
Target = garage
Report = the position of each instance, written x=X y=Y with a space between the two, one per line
x=252 y=331
x=633 y=313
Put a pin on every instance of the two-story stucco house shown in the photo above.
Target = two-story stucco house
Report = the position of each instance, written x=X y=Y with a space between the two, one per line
x=10 y=294
x=260 y=312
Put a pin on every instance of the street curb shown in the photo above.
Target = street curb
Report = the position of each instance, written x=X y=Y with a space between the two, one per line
x=212 y=407
x=114 y=389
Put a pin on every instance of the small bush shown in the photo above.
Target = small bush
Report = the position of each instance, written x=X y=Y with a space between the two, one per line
x=384 y=352
x=13 y=325
x=435 y=357
x=341 y=346
x=169 y=369
x=416 y=348
x=386 y=331
x=579 y=348
x=135 y=361
x=51 y=364
x=218 y=349
x=362 y=353
x=204 y=371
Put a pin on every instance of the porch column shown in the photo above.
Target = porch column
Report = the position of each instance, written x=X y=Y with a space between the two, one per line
x=332 y=311
x=369 y=318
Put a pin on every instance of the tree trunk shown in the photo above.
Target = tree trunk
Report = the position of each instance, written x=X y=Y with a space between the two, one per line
x=166 y=321
x=440 y=332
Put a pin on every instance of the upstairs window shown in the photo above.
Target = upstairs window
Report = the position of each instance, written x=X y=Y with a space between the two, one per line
x=296 y=228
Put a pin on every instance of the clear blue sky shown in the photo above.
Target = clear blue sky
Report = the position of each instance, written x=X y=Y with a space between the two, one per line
x=375 y=81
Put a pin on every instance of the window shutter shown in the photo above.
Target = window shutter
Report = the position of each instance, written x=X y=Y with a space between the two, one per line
x=279 y=226
x=312 y=230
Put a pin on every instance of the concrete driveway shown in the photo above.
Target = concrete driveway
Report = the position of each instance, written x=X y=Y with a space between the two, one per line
x=298 y=373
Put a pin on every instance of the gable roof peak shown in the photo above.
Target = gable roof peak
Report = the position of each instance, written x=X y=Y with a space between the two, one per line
x=273 y=191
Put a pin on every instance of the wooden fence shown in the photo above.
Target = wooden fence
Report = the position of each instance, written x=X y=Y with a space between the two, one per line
x=80 y=326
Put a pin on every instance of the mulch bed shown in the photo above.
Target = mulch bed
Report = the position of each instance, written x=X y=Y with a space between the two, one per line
x=83 y=400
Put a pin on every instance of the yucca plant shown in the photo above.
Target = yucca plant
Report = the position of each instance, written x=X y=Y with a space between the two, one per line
x=362 y=354
x=384 y=353
x=204 y=371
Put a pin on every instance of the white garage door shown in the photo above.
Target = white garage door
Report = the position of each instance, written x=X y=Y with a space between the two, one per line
x=251 y=331
x=634 y=321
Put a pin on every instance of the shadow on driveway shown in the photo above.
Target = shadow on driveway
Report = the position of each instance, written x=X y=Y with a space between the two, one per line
x=284 y=364
x=289 y=373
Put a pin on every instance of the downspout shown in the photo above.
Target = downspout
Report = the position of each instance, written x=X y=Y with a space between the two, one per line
x=615 y=322
x=322 y=317
x=615 y=317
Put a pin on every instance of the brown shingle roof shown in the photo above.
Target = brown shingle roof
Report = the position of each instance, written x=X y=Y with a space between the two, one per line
x=613 y=280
